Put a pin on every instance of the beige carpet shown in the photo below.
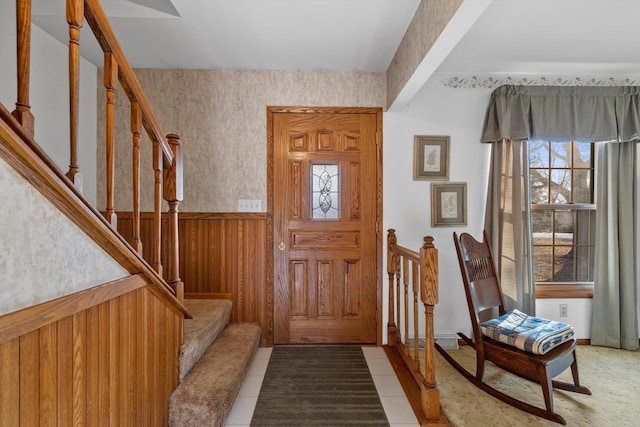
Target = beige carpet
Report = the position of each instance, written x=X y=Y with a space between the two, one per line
x=612 y=375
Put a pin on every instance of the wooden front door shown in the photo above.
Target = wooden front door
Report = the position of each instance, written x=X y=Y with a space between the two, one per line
x=325 y=218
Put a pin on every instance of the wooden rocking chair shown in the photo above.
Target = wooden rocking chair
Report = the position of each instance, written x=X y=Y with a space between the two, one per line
x=482 y=288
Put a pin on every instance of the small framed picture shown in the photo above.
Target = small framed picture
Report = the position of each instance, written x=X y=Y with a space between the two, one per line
x=449 y=204
x=431 y=157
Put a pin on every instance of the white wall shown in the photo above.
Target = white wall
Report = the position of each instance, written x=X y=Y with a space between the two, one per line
x=49 y=96
x=8 y=54
x=436 y=110
x=578 y=313
x=43 y=255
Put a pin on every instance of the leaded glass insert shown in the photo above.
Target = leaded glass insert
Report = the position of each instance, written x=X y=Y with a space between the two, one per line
x=325 y=193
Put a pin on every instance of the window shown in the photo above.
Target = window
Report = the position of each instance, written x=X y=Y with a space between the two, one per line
x=563 y=217
x=324 y=191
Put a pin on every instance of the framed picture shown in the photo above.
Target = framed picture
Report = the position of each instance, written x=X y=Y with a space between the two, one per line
x=449 y=204
x=431 y=157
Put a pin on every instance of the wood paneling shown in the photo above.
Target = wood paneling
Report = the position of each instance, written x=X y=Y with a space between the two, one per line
x=32 y=318
x=114 y=363
x=220 y=254
x=10 y=383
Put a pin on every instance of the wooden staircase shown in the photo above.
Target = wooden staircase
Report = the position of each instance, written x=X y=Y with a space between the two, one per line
x=131 y=351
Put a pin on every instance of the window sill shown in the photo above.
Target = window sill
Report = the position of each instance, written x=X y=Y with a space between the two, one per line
x=556 y=290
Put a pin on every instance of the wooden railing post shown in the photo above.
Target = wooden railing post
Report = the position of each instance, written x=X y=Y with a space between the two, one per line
x=136 y=123
x=173 y=194
x=391 y=271
x=23 y=35
x=75 y=13
x=430 y=395
x=110 y=80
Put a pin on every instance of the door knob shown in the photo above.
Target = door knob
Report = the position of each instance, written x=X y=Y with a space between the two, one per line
x=281 y=246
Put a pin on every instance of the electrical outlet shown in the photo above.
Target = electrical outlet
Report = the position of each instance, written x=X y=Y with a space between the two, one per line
x=563 y=310
x=246 y=205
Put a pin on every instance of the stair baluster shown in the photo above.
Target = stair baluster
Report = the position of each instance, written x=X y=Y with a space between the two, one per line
x=23 y=33
x=75 y=12
x=136 y=121
x=110 y=79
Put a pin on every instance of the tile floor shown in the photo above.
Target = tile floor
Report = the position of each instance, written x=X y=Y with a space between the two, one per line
x=394 y=401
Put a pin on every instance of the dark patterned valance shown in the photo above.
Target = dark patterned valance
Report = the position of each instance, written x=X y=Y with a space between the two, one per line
x=561 y=113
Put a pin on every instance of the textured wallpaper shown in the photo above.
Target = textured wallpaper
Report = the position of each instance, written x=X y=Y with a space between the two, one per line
x=43 y=255
x=427 y=24
x=220 y=116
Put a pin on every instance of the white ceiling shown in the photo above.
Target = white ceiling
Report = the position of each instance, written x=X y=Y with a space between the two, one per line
x=543 y=37
x=571 y=37
x=350 y=35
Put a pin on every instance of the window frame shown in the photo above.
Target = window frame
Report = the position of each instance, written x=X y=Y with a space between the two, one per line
x=575 y=289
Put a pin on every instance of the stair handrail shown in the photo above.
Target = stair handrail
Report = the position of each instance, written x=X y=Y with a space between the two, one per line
x=99 y=24
x=167 y=155
x=414 y=272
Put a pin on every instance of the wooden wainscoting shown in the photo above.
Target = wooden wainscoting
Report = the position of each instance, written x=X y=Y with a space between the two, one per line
x=91 y=358
x=222 y=255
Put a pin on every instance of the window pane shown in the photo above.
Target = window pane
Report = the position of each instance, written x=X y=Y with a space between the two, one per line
x=563 y=260
x=585 y=264
x=561 y=154
x=582 y=186
x=538 y=154
x=564 y=227
x=539 y=184
x=582 y=155
x=560 y=186
x=541 y=224
x=324 y=191
x=586 y=227
x=542 y=262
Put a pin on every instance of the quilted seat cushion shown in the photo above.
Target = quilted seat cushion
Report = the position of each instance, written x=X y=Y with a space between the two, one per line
x=529 y=333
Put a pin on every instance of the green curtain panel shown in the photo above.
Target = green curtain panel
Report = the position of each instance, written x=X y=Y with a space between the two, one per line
x=508 y=223
x=615 y=320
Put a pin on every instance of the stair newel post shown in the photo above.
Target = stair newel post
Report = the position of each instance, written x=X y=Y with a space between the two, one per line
x=173 y=193
x=430 y=395
x=391 y=271
x=157 y=207
x=23 y=35
x=110 y=80
x=75 y=13
x=136 y=121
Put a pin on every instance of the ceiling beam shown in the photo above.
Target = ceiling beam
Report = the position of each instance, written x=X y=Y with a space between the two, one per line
x=435 y=47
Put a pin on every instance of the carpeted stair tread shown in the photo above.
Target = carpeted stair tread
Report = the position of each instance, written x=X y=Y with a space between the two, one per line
x=210 y=316
x=206 y=395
